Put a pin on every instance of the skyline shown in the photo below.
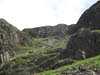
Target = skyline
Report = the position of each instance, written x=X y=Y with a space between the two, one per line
x=35 y=13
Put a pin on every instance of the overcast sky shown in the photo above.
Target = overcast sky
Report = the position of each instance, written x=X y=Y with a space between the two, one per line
x=36 y=13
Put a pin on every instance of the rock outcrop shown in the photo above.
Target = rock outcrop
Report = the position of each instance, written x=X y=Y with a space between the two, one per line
x=58 y=30
x=10 y=37
x=85 y=43
x=89 y=19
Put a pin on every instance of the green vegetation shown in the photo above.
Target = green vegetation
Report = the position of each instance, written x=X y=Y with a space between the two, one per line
x=42 y=43
x=98 y=31
x=25 y=47
x=37 y=43
x=96 y=64
x=54 y=72
x=20 y=63
x=32 y=60
x=42 y=52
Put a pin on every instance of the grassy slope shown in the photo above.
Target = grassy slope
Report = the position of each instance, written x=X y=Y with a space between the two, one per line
x=95 y=64
x=98 y=31
x=32 y=61
x=54 y=72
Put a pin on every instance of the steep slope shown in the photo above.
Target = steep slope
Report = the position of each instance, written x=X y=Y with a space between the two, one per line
x=85 y=42
x=44 y=56
x=50 y=47
x=26 y=54
x=10 y=37
x=58 y=30
x=89 y=66
x=89 y=19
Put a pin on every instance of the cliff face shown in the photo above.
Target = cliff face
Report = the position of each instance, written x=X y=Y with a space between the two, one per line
x=58 y=30
x=86 y=37
x=10 y=36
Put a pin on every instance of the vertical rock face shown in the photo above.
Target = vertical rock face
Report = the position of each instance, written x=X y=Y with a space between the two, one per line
x=10 y=36
x=58 y=30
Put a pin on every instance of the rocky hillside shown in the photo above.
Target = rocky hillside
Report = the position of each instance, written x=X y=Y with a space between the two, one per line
x=48 y=48
x=43 y=56
x=89 y=66
x=86 y=41
x=58 y=30
x=28 y=54
x=89 y=19
x=10 y=36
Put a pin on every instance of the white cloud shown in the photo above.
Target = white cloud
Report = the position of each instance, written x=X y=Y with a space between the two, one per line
x=35 y=13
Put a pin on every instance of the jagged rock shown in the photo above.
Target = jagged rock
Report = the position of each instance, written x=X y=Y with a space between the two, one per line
x=58 y=30
x=10 y=37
